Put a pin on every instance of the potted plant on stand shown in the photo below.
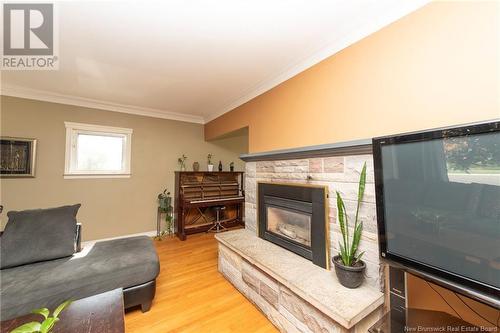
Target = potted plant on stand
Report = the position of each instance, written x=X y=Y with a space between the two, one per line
x=349 y=267
x=165 y=207
x=210 y=166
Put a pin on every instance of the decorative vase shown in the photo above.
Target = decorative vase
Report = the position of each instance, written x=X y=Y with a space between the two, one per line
x=220 y=165
x=196 y=166
x=349 y=276
x=231 y=167
x=210 y=167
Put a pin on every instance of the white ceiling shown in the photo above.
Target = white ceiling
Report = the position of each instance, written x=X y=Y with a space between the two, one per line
x=193 y=60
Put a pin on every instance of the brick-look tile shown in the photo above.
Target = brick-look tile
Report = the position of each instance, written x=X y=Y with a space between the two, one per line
x=333 y=164
x=264 y=166
x=233 y=258
x=283 y=163
x=250 y=216
x=354 y=165
x=250 y=168
x=291 y=169
x=250 y=280
x=316 y=165
x=270 y=295
x=233 y=275
x=315 y=320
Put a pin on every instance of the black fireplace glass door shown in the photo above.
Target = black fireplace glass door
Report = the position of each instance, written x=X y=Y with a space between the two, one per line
x=295 y=226
x=294 y=217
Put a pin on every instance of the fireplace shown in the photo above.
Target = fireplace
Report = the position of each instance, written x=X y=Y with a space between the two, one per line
x=294 y=217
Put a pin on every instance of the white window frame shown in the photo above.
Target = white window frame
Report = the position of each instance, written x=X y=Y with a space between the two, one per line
x=72 y=131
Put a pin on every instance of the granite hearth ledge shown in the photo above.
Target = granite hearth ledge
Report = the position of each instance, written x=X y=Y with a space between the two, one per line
x=315 y=285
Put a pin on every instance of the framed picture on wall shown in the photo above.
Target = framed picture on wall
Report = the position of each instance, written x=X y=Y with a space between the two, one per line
x=17 y=157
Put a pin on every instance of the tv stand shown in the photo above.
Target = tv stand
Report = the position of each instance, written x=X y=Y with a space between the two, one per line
x=418 y=320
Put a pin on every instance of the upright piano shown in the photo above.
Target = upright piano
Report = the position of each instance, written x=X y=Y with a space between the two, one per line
x=197 y=193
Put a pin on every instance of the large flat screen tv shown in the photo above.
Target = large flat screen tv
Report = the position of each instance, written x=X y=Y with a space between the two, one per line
x=438 y=206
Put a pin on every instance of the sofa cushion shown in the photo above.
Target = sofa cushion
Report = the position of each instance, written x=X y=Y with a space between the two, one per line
x=37 y=235
x=101 y=267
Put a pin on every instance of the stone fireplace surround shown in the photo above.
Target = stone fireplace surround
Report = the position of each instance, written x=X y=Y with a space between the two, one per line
x=293 y=293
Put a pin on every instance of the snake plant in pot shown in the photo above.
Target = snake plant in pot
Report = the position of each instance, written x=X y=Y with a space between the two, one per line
x=349 y=267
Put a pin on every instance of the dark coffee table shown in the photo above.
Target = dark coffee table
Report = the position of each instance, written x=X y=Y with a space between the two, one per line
x=101 y=313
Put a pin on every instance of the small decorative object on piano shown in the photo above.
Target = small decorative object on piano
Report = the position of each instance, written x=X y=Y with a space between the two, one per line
x=196 y=166
x=220 y=165
x=210 y=166
x=231 y=166
x=182 y=162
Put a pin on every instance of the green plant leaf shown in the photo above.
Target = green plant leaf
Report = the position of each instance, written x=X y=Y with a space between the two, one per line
x=361 y=192
x=30 y=327
x=362 y=183
x=343 y=255
x=48 y=324
x=356 y=238
x=61 y=307
x=43 y=311
x=358 y=226
x=341 y=214
x=347 y=238
x=358 y=258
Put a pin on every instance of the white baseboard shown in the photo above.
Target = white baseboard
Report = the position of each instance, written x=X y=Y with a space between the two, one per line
x=146 y=233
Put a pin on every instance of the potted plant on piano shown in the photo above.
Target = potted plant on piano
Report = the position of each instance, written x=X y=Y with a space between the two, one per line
x=349 y=267
x=182 y=162
x=210 y=166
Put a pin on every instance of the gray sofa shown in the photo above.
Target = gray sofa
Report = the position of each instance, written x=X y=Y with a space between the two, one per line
x=128 y=263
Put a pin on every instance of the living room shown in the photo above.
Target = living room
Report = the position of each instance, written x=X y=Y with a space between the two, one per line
x=328 y=166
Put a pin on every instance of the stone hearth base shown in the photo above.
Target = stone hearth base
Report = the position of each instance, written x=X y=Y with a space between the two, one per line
x=269 y=277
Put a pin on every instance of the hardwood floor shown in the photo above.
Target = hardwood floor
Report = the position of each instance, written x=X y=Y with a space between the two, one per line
x=192 y=296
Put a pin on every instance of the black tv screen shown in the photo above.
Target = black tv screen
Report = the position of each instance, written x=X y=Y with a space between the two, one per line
x=438 y=204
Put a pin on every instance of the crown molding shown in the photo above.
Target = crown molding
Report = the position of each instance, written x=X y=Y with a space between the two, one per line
x=47 y=96
x=392 y=14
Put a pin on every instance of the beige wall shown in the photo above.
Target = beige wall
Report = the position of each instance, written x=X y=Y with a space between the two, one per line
x=110 y=207
x=435 y=67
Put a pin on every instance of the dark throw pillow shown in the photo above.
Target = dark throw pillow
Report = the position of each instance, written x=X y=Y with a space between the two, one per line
x=38 y=235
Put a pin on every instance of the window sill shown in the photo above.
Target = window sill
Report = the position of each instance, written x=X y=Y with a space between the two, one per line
x=89 y=176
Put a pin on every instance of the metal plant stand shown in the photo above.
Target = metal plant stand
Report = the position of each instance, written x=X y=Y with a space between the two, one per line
x=168 y=213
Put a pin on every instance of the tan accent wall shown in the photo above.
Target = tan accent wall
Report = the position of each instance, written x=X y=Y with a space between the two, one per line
x=110 y=207
x=438 y=66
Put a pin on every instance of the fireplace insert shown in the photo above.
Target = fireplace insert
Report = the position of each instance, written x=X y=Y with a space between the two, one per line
x=294 y=217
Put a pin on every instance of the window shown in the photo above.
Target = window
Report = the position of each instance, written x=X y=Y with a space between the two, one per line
x=94 y=151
